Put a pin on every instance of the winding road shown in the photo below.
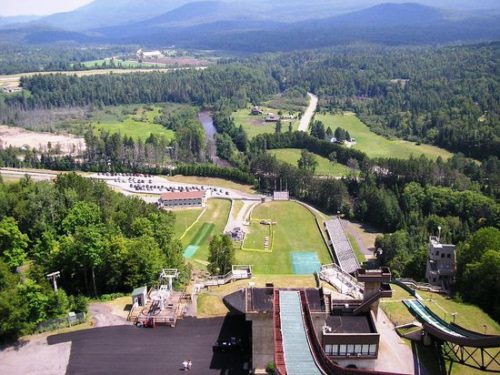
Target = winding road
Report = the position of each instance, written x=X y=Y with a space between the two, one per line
x=308 y=115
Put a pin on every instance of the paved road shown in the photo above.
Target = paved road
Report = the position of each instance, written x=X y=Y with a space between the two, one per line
x=308 y=115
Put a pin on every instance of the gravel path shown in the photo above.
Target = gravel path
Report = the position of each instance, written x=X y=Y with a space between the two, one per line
x=308 y=115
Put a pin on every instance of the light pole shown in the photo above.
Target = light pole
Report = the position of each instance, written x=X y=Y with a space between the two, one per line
x=53 y=277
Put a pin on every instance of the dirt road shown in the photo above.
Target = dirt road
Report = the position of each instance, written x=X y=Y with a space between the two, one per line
x=308 y=115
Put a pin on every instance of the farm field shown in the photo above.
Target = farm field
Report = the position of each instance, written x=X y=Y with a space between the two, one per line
x=295 y=232
x=324 y=168
x=375 y=145
x=133 y=121
x=121 y=64
x=212 y=222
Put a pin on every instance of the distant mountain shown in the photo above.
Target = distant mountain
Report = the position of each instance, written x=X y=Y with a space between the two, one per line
x=9 y=21
x=390 y=14
x=258 y=26
x=101 y=13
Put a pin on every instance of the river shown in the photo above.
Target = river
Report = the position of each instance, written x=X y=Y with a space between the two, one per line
x=206 y=120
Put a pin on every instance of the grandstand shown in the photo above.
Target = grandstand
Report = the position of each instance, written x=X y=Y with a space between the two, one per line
x=341 y=246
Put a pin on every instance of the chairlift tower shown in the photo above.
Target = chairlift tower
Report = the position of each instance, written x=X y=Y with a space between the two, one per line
x=53 y=277
x=168 y=274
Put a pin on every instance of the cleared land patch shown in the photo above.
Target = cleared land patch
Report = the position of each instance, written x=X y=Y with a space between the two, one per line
x=135 y=122
x=375 y=145
x=184 y=219
x=18 y=137
x=324 y=168
x=295 y=231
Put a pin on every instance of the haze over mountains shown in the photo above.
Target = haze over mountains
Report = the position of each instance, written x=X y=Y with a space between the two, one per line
x=262 y=25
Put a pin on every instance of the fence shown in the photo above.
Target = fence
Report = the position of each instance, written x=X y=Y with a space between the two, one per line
x=53 y=324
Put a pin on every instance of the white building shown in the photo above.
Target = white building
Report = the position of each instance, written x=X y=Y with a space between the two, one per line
x=183 y=199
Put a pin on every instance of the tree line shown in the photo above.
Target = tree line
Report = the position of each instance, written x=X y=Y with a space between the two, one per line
x=101 y=242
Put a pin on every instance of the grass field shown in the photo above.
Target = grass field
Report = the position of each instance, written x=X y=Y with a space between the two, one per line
x=296 y=230
x=256 y=236
x=213 y=182
x=216 y=214
x=184 y=219
x=468 y=316
x=324 y=168
x=255 y=125
x=133 y=121
x=375 y=145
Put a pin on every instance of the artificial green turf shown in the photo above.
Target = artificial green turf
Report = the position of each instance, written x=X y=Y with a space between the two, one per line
x=296 y=229
x=375 y=145
x=324 y=168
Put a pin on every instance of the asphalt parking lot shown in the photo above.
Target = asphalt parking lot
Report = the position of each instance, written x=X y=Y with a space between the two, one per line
x=132 y=350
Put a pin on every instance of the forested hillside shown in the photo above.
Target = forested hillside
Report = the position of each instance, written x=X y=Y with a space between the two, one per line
x=101 y=241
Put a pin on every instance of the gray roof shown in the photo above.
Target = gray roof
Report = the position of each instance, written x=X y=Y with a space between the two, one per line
x=140 y=290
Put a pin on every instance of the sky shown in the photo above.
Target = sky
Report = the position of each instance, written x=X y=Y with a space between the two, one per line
x=38 y=7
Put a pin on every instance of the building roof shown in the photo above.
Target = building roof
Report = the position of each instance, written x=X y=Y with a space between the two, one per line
x=140 y=290
x=349 y=324
x=178 y=195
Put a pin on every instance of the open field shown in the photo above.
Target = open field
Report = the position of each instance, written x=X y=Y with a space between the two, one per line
x=136 y=122
x=375 y=145
x=18 y=137
x=209 y=181
x=216 y=216
x=468 y=316
x=184 y=219
x=324 y=168
x=296 y=231
x=255 y=124
x=120 y=64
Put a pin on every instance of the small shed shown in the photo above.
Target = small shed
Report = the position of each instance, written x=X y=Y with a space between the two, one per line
x=140 y=296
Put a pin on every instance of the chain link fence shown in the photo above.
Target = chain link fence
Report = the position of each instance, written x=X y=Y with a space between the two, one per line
x=53 y=324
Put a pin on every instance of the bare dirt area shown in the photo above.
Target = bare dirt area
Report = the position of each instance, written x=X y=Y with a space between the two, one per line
x=35 y=357
x=19 y=137
x=364 y=235
x=103 y=316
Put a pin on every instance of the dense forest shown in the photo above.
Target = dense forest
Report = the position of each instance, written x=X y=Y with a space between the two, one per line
x=444 y=96
x=23 y=59
x=101 y=241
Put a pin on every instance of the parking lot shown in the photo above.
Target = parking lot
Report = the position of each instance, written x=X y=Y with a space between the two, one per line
x=132 y=350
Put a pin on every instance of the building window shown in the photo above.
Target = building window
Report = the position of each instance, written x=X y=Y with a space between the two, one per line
x=328 y=349
x=342 y=349
x=365 y=349
x=335 y=350
x=373 y=349
x=350 y=349
x=449 y=256
x=357 y=349
x=442 y=255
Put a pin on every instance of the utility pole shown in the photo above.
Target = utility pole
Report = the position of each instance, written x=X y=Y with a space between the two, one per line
x=53 y=277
